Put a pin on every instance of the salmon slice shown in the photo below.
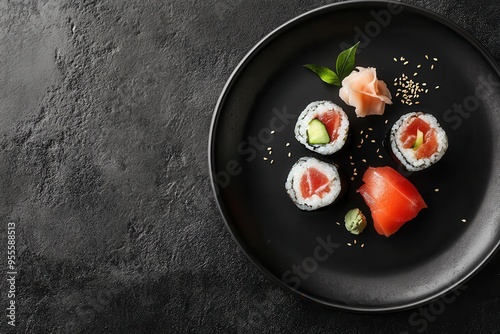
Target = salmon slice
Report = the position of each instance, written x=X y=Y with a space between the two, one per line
x=392 y=199
x=313 y=182
x=409 y=136
x=331 y=119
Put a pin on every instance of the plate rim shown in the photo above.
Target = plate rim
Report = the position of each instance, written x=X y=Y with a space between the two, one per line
x=268 y=38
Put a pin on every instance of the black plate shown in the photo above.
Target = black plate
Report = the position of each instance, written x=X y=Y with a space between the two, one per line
x=430 y=255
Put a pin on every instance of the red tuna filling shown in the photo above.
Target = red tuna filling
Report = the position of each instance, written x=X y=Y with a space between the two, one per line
x=314 y=182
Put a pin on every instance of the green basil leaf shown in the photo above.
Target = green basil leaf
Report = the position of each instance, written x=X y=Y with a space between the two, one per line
x=325 y=74
x=345 y=62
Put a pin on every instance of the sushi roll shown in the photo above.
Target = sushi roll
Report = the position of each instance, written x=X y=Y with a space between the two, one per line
x=322 y=127
x=313 y=184
x=417 y=141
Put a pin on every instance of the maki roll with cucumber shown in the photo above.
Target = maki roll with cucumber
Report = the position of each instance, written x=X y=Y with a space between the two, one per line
x=417 y=141
x=313 y=184
x=322 y=127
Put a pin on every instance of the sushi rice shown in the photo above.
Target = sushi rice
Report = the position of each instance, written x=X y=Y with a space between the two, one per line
x=311 y=112
x=293 y=184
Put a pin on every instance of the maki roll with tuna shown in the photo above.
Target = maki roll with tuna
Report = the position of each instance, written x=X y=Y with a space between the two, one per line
x=322 y=127
x=313 y=184
x=417 y=141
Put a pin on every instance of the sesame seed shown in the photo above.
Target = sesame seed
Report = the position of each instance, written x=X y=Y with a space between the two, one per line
x=397 y=94
x=406 y=63
x=424 y=84
x=464 y=220
x=432 y=66
x=381 y=157
x=352 y=163
x=355 y=242
x=349 y=244
x=265 y=158
x=359 y=146
x=287 y=144
x=362 y=140
x=289 y=154
x=269 y=148
x=350 y=157
x=403 y=101
x=419 y=66
x=426 y=57
x=337 y=223
x=435 y=59
x=362 y=245
x=272 y=161
x=366 y=136
x=415 y=74
x=361 y=132
x=436 y=190
x=402 y=58
x=355 y=174
x=378 y=150
x=370 y=129
x=364 y=160
x=437 y=87
x=386 y=121
x=272 y=132
x=426 y=91
x=352 y=178
x=395 y=60
x=417 y=102
x=373 y=140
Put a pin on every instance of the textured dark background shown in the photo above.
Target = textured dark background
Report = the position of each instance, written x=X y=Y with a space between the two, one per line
x=105 y=112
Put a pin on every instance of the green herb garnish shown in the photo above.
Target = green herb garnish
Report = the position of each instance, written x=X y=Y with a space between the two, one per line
x=344 y=66
x=325 y=74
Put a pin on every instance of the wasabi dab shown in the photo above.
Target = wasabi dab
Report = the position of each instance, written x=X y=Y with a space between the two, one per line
x=355 y=221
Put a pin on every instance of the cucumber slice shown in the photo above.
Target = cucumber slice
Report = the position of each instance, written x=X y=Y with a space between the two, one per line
x=317 y=133
x=419 y=141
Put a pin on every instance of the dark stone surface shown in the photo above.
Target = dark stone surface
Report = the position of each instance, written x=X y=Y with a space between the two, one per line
x=105 y=114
